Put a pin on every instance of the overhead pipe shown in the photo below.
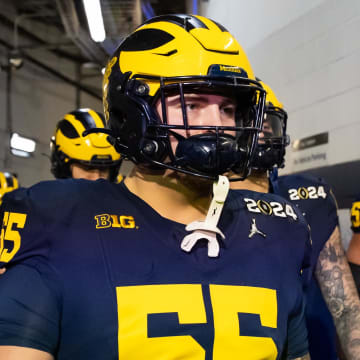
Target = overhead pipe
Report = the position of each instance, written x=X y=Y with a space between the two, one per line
x=195 y=7
x=145 y=10
x=63 y=54
x=77 y=34
x=150 y=9
x=8 y=115
x=54 y=72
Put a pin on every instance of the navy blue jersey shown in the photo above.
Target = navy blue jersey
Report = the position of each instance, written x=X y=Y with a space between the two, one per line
x=96 y=273
x=315 y=199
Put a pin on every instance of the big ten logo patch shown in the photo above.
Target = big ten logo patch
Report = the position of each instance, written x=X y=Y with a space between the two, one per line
x=104 y=221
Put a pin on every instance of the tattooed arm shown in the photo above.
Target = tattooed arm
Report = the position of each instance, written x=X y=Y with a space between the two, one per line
x=353 y=255
x=353 y=252
x=339 y=291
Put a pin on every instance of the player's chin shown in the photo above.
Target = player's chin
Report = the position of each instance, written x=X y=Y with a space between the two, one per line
x=201 y=185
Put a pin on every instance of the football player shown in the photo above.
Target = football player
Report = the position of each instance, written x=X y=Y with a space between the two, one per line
x=314 y=198
x=353 y=252
x=82 y=157
x=99 y=270
x=8 y=182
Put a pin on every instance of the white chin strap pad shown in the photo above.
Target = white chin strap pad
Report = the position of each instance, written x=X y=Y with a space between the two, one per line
x=208 y=229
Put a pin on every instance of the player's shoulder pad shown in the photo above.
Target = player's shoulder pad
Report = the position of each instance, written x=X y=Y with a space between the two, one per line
x=47 y=197
x=29 y=215
x=302 y=179
x=356 y=199
x=267 y=204
x=279 y=214
x=50 y=199
x=299 y=187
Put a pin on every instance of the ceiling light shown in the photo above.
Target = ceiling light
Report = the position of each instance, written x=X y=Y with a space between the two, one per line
x=95 y=19
x=16 y=59
x=20 y=144
x=20 y=153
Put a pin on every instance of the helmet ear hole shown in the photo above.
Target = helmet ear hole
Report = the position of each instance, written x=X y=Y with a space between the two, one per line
x=154 y=149
x=150 y=147
x=60 y=165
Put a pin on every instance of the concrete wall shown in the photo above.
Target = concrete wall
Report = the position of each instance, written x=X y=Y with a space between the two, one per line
x=309 y=53
x=251 y=22
x=38 y=102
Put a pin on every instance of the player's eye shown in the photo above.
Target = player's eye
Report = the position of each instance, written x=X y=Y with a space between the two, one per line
x=192 y=106
x=228 y=110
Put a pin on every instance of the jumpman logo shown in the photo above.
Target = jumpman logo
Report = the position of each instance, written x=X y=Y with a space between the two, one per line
x=254 y=230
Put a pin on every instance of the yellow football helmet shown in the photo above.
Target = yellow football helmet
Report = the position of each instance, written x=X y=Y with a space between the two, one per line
x=8 y=182
x=68 y=145
x=270 y=151
x=172 y=55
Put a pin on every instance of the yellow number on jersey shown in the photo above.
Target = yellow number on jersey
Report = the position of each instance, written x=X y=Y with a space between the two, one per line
x=355 y=214
x=227 y=302
x=7 y=233
x=135 y=303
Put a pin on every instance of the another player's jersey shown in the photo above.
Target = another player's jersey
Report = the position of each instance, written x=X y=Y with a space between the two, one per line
x=313 y=196
x=355 y=215
x=315 y=199
x=95 y=273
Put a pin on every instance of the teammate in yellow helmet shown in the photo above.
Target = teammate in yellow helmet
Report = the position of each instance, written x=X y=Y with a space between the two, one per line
x=8 y=182
x=331 y=272
x=77 y=156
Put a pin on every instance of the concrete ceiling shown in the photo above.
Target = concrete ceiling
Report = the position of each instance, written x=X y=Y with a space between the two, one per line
x=43 y=30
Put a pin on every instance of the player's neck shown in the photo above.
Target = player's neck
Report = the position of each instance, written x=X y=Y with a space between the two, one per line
x=176 y=197
x=256 y=181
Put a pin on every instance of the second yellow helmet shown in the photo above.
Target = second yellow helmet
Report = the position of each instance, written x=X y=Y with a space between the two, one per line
x=68 y=145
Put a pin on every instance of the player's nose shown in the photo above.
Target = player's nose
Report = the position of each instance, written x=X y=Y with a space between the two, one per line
x=211 y=116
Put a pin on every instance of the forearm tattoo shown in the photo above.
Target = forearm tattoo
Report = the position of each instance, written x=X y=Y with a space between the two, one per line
x=339 y=291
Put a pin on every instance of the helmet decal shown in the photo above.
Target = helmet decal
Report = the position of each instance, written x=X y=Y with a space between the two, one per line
x=68 y=129
x=146 y=39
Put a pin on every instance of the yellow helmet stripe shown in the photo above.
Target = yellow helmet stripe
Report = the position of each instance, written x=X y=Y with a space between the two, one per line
x=79 y=127
x=3 y=183
x=209 y=23
x=98 y=121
